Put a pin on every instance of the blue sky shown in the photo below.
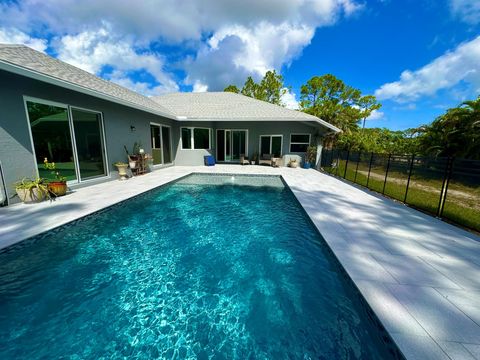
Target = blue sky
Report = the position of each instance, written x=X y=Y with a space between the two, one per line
x=418 y=57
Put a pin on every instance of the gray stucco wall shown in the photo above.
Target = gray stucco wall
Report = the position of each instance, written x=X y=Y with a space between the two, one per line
x=255 y=130
x=16 y=153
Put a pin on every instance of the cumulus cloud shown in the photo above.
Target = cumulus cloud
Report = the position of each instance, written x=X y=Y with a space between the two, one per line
x=228 y=40
x=14 y=36
x=289 y=99
x=376 y=115
x=93 y=50
x=457 y=67
x=467 y=10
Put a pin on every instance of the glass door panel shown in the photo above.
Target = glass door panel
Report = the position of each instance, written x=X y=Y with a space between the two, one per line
x=228 y=141
x=220 y=145
x=51 y=139
x=166 y=145
x=156 y=144
x=238 y=144
x=264 y=145
x=276 y=146
x=87 y=127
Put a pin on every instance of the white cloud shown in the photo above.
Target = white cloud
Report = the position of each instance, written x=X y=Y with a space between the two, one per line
x=460 y=66
x=235 y=52
x=93 y=50
x=376 y=115
x=467 y=10
x=14 y=36
x=229 y=39
x=289 y=99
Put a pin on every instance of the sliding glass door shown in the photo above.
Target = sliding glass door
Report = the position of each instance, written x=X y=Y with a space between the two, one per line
x=88 y=129
x=72 y=138
x=52 y=140
x=161 y=144
x=231 y=144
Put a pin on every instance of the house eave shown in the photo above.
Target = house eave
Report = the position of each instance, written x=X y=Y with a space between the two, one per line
x=19 y=70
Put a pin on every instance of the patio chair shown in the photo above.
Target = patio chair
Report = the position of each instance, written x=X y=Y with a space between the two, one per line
x=265 y=159
x=244 y=160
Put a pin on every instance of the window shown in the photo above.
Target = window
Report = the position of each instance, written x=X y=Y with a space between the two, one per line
x=299 y=143
x=201 y=138
x=195 y=138
x=186 y=138
x=271 y=144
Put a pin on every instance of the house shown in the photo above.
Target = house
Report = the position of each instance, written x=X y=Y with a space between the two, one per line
x=53 y=110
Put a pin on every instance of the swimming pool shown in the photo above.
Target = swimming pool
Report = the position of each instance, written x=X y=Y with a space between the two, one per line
x=208 y=267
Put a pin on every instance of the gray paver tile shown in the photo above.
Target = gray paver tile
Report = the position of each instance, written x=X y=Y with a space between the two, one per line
x=363 y=267
x=456 y=351
x=416 y=347
x=411 y=270
x=441 y=319
x=393 y=315
x=474 y=350
x=467 y=301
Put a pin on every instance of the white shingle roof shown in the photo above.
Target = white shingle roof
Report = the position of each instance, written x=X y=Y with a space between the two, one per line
x=16 y=58
x=227 y=106
x=213 y=106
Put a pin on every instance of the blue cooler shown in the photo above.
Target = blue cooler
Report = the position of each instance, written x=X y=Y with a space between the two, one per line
x=209 y=160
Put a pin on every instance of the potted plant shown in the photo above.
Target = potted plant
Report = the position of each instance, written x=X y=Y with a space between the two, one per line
x=293 y=163
x=32 y=191
x=310 y=157
x=122 y=169
x=57 y=187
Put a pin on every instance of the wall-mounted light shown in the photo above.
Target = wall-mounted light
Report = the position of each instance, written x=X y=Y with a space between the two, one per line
x=132 y=128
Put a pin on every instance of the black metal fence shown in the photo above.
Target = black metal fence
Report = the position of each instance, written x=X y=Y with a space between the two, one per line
x=448 y=188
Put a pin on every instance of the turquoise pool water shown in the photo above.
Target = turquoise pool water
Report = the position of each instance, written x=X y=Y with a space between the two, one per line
x=209 y=267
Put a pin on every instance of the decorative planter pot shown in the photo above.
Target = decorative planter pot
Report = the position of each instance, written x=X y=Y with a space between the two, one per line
x=58 y=188
x=253 y=162
x=306 y=165
x=122 y=171
x=30 y=196
x=293 y=164
x=132 y=164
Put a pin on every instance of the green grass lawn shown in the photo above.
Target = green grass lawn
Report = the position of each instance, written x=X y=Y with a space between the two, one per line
x=461 y=205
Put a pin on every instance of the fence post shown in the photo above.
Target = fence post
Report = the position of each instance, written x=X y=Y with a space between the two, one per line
x=356 y=169
x=338 y=163
x=369 y=168
x=446 y=181
x=346 y=164
x=409 y=175
x=386 y=174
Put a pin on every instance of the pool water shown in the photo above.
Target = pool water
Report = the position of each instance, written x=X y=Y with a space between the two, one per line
x=208 y=267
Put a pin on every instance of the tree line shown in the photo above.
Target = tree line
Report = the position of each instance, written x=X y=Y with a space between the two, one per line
x=455 y=133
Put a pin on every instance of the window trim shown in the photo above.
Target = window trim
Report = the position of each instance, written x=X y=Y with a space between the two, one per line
x=299 y=143
x=192 y=142
x=270 y=136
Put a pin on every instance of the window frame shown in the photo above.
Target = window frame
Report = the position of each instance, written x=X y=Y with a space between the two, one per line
x=271 y=143
x=192 y=136
x=299 y=143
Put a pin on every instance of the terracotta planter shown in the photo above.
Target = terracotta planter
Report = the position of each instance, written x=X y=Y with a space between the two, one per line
x=31 y=196
x=58 y=188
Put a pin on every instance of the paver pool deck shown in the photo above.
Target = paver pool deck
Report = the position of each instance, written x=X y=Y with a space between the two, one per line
x=420 y=276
